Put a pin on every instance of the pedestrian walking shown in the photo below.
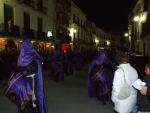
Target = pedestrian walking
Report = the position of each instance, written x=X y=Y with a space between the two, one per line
x=124 y=96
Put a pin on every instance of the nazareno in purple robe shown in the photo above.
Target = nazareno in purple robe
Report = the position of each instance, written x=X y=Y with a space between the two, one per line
x=104 y=76
x=21 y=86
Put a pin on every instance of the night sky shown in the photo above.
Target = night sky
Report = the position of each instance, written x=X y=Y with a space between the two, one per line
x=110 y=15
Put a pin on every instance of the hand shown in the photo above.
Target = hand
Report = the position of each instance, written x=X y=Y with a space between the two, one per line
x=144 y=90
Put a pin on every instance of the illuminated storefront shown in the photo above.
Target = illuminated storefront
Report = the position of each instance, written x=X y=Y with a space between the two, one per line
x=40 y=46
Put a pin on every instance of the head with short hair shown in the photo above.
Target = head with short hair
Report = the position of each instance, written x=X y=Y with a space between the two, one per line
x=122 y=57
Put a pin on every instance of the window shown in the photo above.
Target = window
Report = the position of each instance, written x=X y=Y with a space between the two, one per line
x=74 y=18
x=40 y=25
x=8 y=17
x=39 y=4
x=26 y=21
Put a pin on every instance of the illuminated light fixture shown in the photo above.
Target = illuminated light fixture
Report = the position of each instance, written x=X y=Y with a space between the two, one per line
x=71 y=43
x=53 y=46
x=32 y=42
x=126 y=34
x=143 y=18
x=72 y=31
x=96 y=41
x=49 y=33
x=108 y=43
x=3 y=40
x=136 y=18
x=47 y=45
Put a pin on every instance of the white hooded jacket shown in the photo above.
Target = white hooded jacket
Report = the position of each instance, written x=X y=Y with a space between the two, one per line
x=127 y=105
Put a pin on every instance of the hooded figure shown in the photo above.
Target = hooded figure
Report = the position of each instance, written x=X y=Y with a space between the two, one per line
x=25 y=87
x=100 y=77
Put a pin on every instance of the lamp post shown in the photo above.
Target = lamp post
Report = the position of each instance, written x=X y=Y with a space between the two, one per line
x=139 y=20
x=72 y=31
x=108 y=43
x=49 y=34
x=128 y=35
x=96 y=41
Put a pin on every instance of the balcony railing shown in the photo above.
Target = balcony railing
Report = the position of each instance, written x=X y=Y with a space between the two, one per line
x=13 y=30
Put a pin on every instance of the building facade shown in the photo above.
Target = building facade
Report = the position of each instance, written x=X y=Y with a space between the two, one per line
x=139 y=21
x=33 y=18
x=62 y=17
x=77 y=27
x=86 y=35
x=50 y=24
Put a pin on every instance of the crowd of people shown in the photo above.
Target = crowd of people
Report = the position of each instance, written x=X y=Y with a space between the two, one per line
x=110 y=77
x=112 y=80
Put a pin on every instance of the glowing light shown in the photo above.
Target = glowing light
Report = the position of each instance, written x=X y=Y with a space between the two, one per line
x=53 y=46
x=49 y=33
x=32 y=42
x=72 y=31
x=143 y=17
x=71 y=43
x=126 y=34
x=3 y=40
x=108 y=43
x=47 y=45
x=96 y=41
x=136 y=18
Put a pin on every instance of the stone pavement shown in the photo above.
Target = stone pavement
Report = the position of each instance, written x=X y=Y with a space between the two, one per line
x=69 y=96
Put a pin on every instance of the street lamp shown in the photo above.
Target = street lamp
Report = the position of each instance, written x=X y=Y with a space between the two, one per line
x=49 y=33
x=72 y=31
x=96 y=41
x=126 y=34
x=141 y=18
x=136 y=18
x=108 y=43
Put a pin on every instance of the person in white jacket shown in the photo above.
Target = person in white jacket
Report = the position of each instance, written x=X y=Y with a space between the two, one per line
x=124 y=69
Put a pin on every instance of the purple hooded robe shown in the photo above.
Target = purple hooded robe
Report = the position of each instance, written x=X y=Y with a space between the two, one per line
x=102 y=75
x=20 y=85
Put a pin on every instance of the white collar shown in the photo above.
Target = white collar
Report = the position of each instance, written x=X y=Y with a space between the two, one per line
x=123 y=65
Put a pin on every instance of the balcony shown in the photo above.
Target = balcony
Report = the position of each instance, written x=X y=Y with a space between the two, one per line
x=13 y=30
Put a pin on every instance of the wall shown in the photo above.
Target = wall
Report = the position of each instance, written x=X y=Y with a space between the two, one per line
x=19 y=9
